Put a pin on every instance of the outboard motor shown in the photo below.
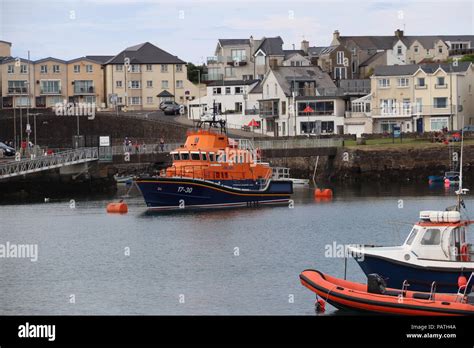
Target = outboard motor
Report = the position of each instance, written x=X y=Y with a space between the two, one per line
x=375 y=284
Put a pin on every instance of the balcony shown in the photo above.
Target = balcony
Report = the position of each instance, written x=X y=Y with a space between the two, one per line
x=212 y=77
x=269 y=108
x=236 y=61
x=413 y=110
x=50 y=91
x=358 y=114
x=461 y=51
x=84 y=90
x=17 y=90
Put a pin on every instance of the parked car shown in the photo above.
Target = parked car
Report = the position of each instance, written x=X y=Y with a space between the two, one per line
x=7 y=150
x=165 y=104
x=469 y=128
x=174 y=109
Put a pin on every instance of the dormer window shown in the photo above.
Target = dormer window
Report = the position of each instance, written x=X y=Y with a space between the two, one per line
x=399 y=50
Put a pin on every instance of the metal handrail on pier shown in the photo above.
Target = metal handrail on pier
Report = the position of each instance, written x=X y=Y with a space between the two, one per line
x=47 y=162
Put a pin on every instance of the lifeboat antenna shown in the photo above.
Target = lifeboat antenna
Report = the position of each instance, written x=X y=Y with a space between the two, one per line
x=461 y=191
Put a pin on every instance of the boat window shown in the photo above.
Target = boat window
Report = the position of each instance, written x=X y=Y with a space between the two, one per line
x=432 y=236
x=184 y=156
x=218 y=175
x=226 y=175
x=412 y=236
x=195 y=157
x=176 y=156
x=204 y=156
x=211 y=157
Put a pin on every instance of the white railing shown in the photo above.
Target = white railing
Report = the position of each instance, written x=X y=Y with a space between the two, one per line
x=47 y=162
x=144 y=148
x=297 y=143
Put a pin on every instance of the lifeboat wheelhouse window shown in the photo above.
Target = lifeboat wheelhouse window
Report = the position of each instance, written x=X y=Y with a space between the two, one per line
x=218 y=175
x=226 y=175
x=211 y=157
x=412 y=236
x=176 y=157
x=432 y=236
x=195 y=157
x=184 y=156
x=204 y=156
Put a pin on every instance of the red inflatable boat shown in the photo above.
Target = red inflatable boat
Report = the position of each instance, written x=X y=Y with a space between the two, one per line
x=375 y=297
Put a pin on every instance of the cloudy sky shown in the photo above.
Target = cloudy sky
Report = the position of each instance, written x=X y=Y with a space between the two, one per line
x=68 y=29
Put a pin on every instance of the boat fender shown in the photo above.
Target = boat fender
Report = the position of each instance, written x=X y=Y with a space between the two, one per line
x=320 y=306
x=120 y=207
x=462 y=282
x=465 y=253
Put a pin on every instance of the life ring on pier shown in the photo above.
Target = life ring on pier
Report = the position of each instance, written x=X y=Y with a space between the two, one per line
x=465 y=257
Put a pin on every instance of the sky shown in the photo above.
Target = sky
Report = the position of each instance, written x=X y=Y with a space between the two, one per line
x=68 y=29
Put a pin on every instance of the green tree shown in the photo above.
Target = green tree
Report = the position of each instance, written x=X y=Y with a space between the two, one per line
x=193 y=72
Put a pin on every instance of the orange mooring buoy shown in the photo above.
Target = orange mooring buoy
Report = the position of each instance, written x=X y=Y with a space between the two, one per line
x=325 y=193
x=120 y=207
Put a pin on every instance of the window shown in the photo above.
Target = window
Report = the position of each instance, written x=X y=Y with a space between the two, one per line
x=415 y=48
x=283 y=107
x=11 y=69
x=164 y=68
x=44 y=69
x=211 y=157
x=195 y=157
x=135 y=100
x=440 y=49
x=204 y=156
x=179 y=84
x=22 y=101
x=23 y=69
x=50 y=86
x=176 y=157
x=238 y=107
x=179 y=67
x=411 y=237
x=135 y=68
x=77 y=68
x=419 y=105
x=432 y=236
x=384 y=83
x=399 y=50
x=340 y=73
x=238 y=90
x=56 y=69
x=440 y=81
x=438 y=123
x=119 y=68
x=164 y=84
x=340 y=57
x=149 y=67
x=247 y=77
x=238 y=55
x=403 y=82
x=216 y=90
x=83 y=86
x=89 y=68
x=119 y=100
x=118 y=84
x=135 y=84
x=90 y=99
x=149 y=100
x=149 y=83
x=440 y=103
x=184 y=156
x=17 y=87
x=421 y=82
x=227 y=90
x=229 y=72
x=260 y=60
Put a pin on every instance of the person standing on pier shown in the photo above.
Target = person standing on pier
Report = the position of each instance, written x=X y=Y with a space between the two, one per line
x=162 y=144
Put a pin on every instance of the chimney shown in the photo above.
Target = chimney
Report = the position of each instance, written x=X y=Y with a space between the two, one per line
x=305 y=46
x=399 y=33
x=335 y=35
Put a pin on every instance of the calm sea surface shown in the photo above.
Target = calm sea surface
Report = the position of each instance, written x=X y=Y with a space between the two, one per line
x=240 y=261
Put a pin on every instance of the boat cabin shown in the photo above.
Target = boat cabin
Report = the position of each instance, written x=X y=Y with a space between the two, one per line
x=439 y=235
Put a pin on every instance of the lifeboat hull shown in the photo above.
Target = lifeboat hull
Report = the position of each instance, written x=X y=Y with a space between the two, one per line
x=344 y=294
x=183 y=193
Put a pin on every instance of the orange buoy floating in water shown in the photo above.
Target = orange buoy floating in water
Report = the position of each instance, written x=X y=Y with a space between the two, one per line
x=120 y=207
x=325 y=193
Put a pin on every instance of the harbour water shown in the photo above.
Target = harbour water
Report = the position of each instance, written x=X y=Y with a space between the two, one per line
x=229 y=262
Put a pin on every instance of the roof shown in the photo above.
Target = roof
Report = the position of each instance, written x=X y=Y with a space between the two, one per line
x=145 y=53
x=285 y=75
x=233 y=83
x=99 y=59
x=47 y=59
x=164 y=94
x=370 y=42
x=258 y=88
x=231 y=42
x=13 y=59
x=396 y=70
x=6 y=42
x=373 y=58
x=272 y=46
x=317 y=51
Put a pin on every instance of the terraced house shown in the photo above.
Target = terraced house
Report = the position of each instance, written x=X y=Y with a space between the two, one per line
x=417 y=98
x=142 y=76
